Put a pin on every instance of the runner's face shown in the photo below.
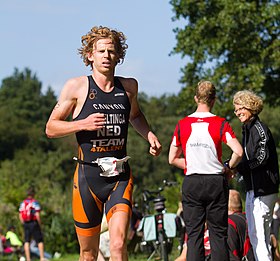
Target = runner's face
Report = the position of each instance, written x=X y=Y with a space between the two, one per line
x=104 y=56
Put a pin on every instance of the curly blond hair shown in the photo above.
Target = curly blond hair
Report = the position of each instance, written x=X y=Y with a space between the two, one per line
x=101 y=32
x=205 y=92
x=249 y=100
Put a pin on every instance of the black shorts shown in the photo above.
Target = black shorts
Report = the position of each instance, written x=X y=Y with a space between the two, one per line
x=32 y=229
x=91 y=192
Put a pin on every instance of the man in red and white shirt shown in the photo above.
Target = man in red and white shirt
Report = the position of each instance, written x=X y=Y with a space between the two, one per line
x=198 y=137
x=29 y=215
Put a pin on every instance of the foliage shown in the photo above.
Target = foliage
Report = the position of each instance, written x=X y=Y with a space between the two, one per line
x=149 y=171
x=29 y=158
x=235 y=44
x=22 y=103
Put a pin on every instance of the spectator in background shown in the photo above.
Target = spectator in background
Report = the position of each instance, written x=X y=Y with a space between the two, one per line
x=104 y=244
x=274 y=233
x=4 y=246
x=260 y=170
x=29 y=215
x=207 y=247
x=35 y=251
x=276 y=220
x=238 y=239
x=197 y=149
x=13 y=240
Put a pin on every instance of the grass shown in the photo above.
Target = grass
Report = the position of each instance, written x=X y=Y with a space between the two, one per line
x=75 y=257
x=131 y=257
x=68 y=258
x=138 y=257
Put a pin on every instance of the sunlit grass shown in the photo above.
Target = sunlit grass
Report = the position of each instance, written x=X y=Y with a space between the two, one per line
x=131 y=257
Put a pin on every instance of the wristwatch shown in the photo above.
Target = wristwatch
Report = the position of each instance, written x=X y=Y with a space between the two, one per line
x=226 y=164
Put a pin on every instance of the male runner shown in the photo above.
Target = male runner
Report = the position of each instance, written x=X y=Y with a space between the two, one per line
x=102 y=105
x=29 y=215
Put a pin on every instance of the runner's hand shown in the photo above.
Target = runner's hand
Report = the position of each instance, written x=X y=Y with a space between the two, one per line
x=155 y=146
x=94 y=121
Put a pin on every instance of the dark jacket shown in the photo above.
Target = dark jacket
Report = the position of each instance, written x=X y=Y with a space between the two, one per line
x=259 y=165
x=238 y=240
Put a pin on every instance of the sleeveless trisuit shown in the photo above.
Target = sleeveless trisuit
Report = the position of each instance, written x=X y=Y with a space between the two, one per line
x=90 y=190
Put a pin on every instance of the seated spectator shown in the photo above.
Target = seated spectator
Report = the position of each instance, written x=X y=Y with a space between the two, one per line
x=180 y=225
x=133 y=238
x=183 y=256
x=274 y=233
x=13 y=239
x=238 y=239
x=275 y=248
x=14 y=242
x=276 y=219
x=4 y=247
x=34 y=250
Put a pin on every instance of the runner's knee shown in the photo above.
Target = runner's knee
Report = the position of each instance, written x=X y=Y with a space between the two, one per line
x=89 y=255
x=117 y=245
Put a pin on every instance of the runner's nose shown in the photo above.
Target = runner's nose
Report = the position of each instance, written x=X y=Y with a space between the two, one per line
x=106 y=53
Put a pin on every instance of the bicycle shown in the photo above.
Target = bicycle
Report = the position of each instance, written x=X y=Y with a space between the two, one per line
x=159 y=228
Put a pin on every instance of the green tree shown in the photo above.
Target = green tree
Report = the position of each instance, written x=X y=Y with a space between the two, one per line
x=235 y=44
x=162 y=117
x=28 y=157
x=24 y=111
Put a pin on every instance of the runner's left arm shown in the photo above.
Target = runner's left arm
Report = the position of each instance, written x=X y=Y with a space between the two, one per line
x=139 y=122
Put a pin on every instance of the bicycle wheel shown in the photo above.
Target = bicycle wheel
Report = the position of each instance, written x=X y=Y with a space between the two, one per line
x=163 y=245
